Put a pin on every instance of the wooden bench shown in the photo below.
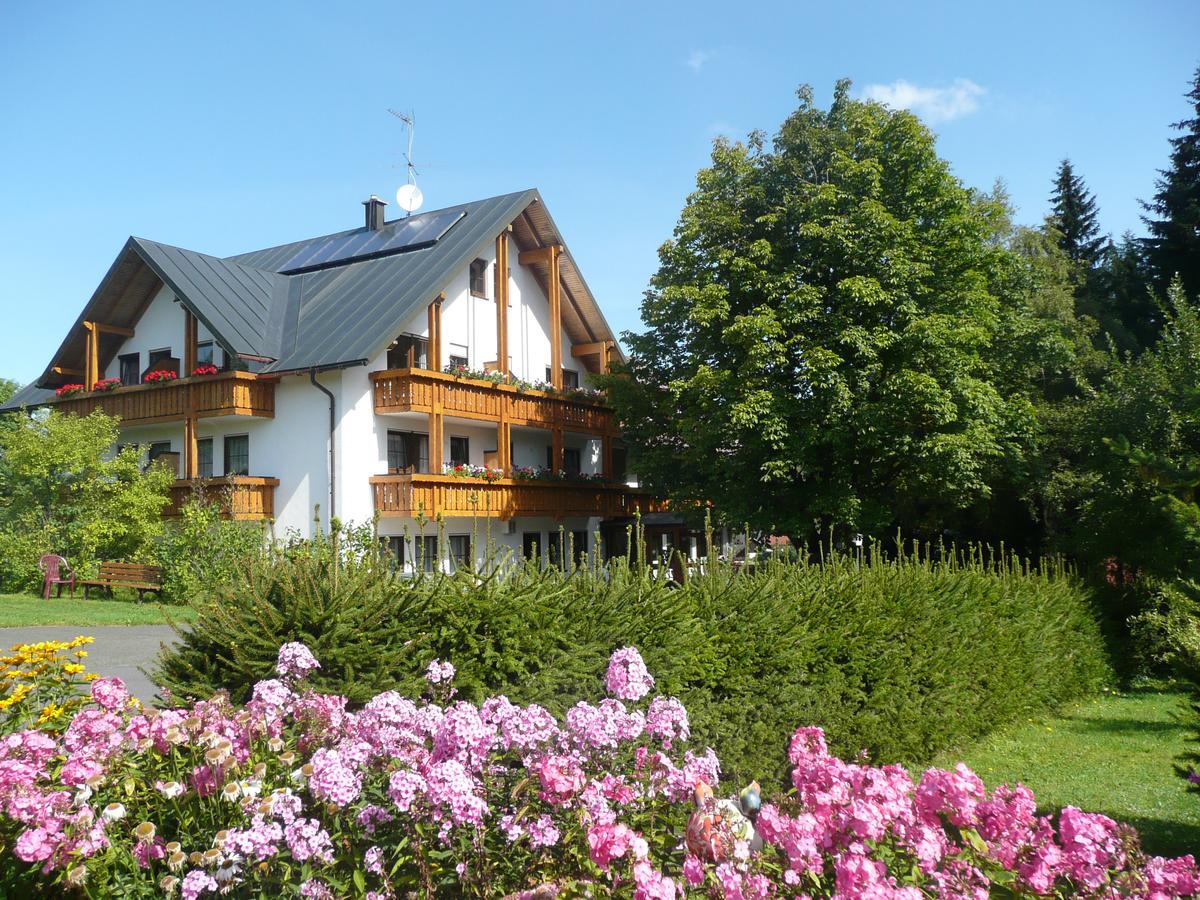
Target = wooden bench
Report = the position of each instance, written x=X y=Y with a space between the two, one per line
x=140 y=578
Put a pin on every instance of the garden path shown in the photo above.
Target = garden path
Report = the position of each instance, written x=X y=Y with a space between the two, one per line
x=119 y=649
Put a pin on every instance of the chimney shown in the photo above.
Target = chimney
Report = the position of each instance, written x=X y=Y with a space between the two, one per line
x=374 y=209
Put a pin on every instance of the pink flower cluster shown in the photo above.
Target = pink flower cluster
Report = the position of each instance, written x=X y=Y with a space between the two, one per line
x=627 y=677
x=213 y=800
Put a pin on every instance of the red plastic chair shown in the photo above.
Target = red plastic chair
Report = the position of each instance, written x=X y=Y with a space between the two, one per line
x=57 y=572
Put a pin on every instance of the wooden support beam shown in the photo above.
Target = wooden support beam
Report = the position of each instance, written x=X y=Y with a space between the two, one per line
x=433 y=355
x=606 y=358
x=588 y=349
x=191 y=334
x=501 y=294
x=92 y=356
x=554 y=283
x=538 y=254
x=606 y=457
x=556 y=449
x=66 y=370
x=191 y=449
x=113 y=329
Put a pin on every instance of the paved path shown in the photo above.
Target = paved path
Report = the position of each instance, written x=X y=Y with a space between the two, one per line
x=119 y=649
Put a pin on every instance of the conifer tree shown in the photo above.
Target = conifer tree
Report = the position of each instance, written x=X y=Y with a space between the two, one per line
x=1074 y=215
x=1174 y=243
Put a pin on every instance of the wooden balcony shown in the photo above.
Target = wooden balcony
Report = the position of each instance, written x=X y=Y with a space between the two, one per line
x=240 y=496
x=418 y=390
x=226 y=394
x=446 y=495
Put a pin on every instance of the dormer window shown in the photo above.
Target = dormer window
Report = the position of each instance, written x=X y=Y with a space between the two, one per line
x=479 y=278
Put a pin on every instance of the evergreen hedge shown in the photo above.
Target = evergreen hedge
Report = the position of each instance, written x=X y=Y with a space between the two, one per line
x=900 y=654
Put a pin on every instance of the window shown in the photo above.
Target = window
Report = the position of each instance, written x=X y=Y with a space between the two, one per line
x=460 y=450
x=554 y=552
x=570 y=379
x=427 y=552
x=460 y=550
x=459 y=355
x=549 y=375
x=237 y=454
x=571 y=462
x=407 y=451
x=204 y=460
x=158 y=448
x=158 y=356
x=531 y=545
x=579 y=547
x=394 y=547
x=620 y=463
x=479 y=278
x=408 y=352
x=205 y=355
x=131 y=368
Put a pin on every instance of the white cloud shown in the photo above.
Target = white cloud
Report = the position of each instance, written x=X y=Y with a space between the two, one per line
x=934 y=104
x=696 y=59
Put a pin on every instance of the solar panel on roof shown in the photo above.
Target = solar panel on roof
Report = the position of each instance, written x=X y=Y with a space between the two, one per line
x=413 y=233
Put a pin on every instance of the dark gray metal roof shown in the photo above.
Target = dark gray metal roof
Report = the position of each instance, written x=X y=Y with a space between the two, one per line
x=233 y=300
x=337 y=316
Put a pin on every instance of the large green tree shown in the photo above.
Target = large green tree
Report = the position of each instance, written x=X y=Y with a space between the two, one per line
x=1074 y=214
x=64 y=490
x=1173 y=246
x=819 y=334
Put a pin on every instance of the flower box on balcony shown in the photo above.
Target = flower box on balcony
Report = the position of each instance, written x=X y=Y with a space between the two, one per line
x=159 y=376
x=104 y=385
x=68 y=390
x=466 y=470
x=205 y=369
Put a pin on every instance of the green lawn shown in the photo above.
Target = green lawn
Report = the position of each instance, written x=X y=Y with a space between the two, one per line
x=18 y=610
x=1113 y=755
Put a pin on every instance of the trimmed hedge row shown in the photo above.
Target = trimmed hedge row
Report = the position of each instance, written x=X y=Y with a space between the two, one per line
x=900 y=655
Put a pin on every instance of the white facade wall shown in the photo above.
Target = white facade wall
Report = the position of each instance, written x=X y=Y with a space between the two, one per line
x=294 y=446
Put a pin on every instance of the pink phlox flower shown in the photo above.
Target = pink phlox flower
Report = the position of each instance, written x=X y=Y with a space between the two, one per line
x=371 y=817
x=627 y=677
x=439 y=672
x=543 y=832
x=667 y=720
x=296 y=661
x=612 y=841
x=404 y=787
x=1092 y=846
x=306 y=840
x=110 y=694
x=451 y=788
x=144 y=852
x=651 y=884
x=195 y=883
x=955 y=794
x=333 y=779
x=315 y=889
x=257 y=843
x=373 y=860
x=274 y=694
x=693 y=870
x=463 y=735
x=561 y=777
x=1170 y=878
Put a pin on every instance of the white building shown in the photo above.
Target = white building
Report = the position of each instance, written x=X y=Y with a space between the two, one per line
x=333 y=394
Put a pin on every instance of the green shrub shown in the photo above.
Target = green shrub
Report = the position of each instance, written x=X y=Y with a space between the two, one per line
x=900 y=655
x=203 y=549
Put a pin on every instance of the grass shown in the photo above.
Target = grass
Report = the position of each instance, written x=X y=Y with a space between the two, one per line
x=1114 y=755
x=19 y=610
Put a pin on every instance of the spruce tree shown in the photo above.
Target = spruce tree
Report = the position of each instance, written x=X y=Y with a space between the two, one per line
x=1174 y=243
x=1074 y=216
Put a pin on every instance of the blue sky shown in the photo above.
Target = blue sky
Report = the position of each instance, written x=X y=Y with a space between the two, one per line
x=224 y=127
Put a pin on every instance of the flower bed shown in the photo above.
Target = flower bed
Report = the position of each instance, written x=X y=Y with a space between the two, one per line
x=297 y=794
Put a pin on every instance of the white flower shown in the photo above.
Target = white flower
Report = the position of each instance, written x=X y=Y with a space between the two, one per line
x=171 y=789
x=231 y=792
x=114 y=811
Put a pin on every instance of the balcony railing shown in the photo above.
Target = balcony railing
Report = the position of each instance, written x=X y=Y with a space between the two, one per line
x=433 y=495
x=226 y=394
x=418 y=390
x=239 y=496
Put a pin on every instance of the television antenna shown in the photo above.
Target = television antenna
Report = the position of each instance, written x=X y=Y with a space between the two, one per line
x=408 y=196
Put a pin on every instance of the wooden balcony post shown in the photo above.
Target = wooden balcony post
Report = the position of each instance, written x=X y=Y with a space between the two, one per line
x=191 y=337
x=501 y=294
x=555 y=285
x=556 y=449
x=504 y=440
x=434 y=355
x=606 y=457
x=435 y=432
x=191 y=450
x=91 y=369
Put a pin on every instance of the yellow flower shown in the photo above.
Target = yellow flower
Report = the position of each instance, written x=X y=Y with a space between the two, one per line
x=49 y=712
x=81 y=653
x=73 y=668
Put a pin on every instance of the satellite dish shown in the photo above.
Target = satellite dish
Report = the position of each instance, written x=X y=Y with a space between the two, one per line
x=409 y=197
